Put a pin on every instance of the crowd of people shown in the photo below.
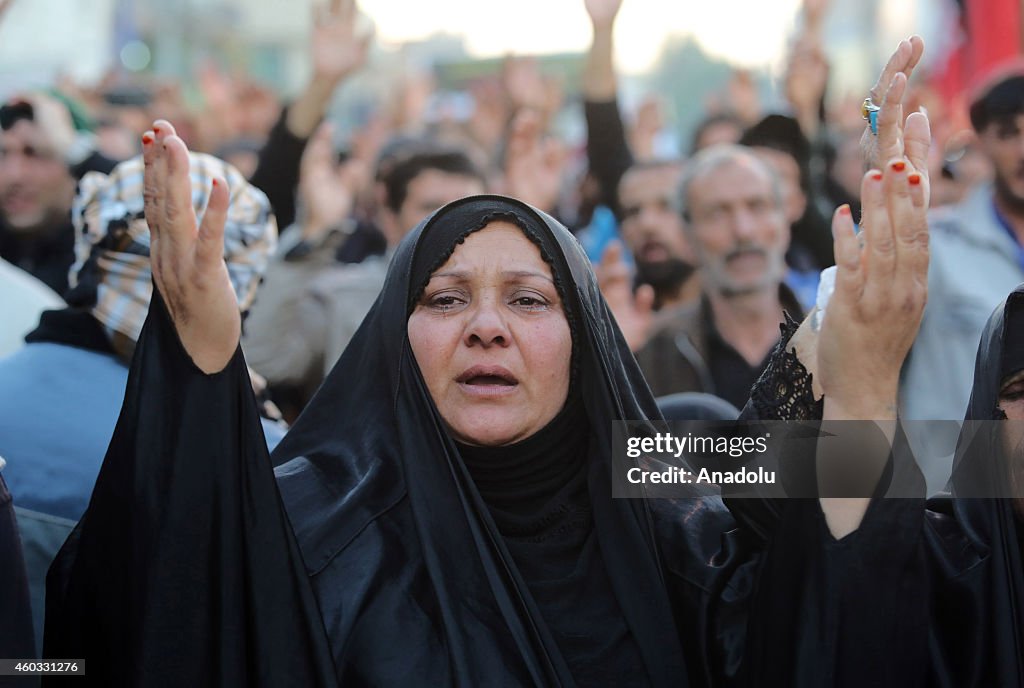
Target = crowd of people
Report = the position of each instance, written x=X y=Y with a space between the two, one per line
x=275 y=414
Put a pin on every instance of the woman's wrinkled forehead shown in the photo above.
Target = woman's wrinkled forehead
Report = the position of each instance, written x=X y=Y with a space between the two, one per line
x=447 y=230
x=499 y=247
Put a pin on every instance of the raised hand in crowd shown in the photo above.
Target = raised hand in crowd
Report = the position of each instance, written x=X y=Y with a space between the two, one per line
x=650 y=119
x=742 y=96
x=599 y=72
x=633 y=311
x=523 y=83
x=534 y=163
x=882 y=274
x=338 y=46
x=327 y=190
x=881 y=288
x=805 y=81
x=888 y=93
x=814 y=15
x=903 y=231
x=602 y=12
x=881 y=283
x=187 y=254
x=489 y=118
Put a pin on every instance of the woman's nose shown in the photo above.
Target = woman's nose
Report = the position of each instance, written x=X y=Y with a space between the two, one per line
x=487 y=324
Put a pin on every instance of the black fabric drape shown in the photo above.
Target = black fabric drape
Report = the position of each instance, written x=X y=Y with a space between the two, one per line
x=184 y=570
x=962 y=577
x=973 y=543
x=17 y=641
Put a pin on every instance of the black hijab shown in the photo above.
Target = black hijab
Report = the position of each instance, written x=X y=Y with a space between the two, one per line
x=984 y=599
x=373 y=438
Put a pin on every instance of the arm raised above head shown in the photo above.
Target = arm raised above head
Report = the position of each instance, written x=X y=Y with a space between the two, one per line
x=881 y=282
x=599 y=83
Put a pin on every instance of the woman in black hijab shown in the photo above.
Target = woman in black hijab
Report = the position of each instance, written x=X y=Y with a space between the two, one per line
x=447 y=491
x=973 y=539
x=956 y=562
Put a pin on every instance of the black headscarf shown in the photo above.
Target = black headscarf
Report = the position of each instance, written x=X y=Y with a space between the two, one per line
x=951 y=568
x=373 y=436
x=981 y=607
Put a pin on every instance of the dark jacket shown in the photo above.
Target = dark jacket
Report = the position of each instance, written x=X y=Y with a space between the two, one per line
x=676 y=358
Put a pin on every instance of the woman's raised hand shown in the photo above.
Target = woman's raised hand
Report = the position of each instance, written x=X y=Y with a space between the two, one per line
x=882 y=273
x=893 y=140
x=881 y=289
x=188 y=255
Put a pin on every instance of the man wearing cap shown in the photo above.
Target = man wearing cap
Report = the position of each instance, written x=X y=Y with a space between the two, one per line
x=45 y=146
x=977 y=257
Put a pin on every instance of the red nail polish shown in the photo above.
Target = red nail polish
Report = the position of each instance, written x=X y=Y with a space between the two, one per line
x=899 y=166
x=156 y=129
x=877 y=176
x=215 y=181
x=914 y=179
x=844 y=209
x=147 y=138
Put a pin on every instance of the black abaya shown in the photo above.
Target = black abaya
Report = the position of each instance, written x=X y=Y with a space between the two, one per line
x=972 y=544
x=184 y=571
x=962 y=575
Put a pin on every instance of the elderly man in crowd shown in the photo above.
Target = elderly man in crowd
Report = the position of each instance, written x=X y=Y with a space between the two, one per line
x=733 y=210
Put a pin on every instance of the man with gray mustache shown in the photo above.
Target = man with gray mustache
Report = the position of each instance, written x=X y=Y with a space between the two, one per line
x=732 y=208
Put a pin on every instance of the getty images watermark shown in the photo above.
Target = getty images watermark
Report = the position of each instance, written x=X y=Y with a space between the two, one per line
x=779 y=459
x=689 y=445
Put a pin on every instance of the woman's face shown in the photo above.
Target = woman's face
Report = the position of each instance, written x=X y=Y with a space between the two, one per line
x=492 y=340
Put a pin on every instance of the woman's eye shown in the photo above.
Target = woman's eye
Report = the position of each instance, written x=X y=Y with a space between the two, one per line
x=530 y=301
x=444 y=302
x=1012 y=392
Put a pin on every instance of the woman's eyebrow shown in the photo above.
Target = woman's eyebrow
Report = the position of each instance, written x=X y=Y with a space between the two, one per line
x=453 y=274
x=1013 y=378
x=464 y=275
x=527 y=273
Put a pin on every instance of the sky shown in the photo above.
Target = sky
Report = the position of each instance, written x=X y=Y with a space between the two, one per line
x=747 y=32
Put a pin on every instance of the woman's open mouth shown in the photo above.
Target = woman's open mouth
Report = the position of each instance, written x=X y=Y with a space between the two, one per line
x=487 y=381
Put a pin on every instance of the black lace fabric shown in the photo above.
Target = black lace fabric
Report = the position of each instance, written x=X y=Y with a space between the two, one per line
x=784 y=390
